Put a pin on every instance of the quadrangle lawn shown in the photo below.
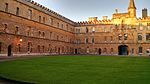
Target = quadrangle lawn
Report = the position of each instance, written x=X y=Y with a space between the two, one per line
x=78 y=70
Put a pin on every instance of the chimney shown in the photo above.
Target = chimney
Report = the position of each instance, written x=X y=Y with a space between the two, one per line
x=93 y=19
x=105 y=17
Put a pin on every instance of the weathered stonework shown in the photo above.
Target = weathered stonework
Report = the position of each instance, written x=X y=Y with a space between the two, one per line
x=28 y=28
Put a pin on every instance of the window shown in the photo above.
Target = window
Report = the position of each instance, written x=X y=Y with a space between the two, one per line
x=39 y=18
x=19 y=48
x=43 y=34
x=57 y=37
x=111 y=38
x=5 y=27
x=105 y=50
x=17 y=30
x=29 y=31
x=6 y=7
x=17 y=11
x=93 y=29
x=140 y=50
x=29 y=47
x=43 y=48
x=50 y=35
x=43 y=19
x=66 y=26
x=51 y=21
x=62 y=26
x=30 y=14
x=87 y=30
x=58 y=25
x=39 y=33
x=93 y=40
x=148 y=37
x=104 y=29
x=141 y=26
x=132 y=51
x=120 y=37
x=125 y=36
x=86 y=40
x=38 y=48
x=111 y=50
x=105 y=38
x=77 y=31
x=0 y=47
x=139 y=37
x=49 y=49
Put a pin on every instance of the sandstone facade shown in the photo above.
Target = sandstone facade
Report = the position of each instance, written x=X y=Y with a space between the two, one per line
x=28 y=28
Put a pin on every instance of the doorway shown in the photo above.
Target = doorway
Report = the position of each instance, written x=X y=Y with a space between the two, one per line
x=99 y=51
x=76 y=51
x=123 y=50
x=9 y=50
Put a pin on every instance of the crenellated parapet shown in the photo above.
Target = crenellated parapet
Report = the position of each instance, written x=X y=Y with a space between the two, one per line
x=44 y=9
x=96 y=22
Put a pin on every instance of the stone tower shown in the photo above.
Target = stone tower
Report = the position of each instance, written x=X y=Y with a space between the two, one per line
x=144 y=13
x=132 y=9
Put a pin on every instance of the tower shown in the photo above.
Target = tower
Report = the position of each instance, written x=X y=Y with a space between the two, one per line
x=144 y=13
x=132 y=9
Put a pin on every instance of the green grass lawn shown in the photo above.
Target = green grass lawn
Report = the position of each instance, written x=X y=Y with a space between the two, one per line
x=79 y=70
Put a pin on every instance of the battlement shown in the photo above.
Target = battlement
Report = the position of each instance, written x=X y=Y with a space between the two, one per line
x=143 y=19
x=44 y=9
x=95 y=22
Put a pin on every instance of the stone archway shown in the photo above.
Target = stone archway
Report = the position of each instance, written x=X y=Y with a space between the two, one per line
x=123 y=50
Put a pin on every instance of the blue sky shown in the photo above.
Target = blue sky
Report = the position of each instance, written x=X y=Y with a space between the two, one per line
x=80 y=10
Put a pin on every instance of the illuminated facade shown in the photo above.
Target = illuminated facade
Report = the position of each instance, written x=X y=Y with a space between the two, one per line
x=124 y=34
x=28 y=28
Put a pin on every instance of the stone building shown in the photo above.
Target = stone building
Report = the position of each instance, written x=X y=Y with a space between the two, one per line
x=124 y=34
x=28 y=28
